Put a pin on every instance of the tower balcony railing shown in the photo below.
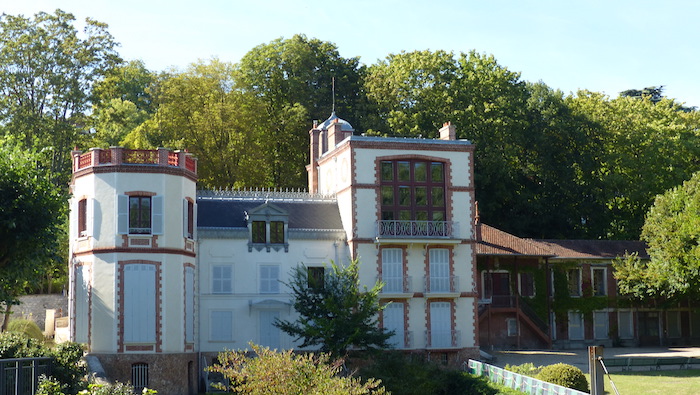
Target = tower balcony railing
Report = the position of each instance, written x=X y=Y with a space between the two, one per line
x=122 y=156
x=417 y=229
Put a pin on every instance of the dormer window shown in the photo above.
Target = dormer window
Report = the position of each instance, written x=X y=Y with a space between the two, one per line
x=267 y=225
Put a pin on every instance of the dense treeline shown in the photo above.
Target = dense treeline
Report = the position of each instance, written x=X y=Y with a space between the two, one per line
x=548 y=164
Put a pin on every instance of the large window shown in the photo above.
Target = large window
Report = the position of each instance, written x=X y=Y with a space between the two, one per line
x=140 y=215
x=440 y=325
x=221 y=279
x=413 y=190
x=82 y=217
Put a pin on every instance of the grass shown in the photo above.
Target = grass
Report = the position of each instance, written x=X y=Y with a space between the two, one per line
x=676 y=382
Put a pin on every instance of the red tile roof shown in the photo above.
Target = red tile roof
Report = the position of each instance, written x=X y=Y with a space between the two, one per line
x=492 y=241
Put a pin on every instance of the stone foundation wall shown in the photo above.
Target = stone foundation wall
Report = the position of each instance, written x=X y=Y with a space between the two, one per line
x=34 y=307
x=172 y=373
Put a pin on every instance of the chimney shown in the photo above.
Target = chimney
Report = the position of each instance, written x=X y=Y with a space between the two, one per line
x=314 y=153
x=335 y=134
x=448 y=132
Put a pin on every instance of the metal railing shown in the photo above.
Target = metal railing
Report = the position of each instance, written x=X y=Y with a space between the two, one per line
x=20 y=376
x=417 y=229
x=440 y=284
x=396 y=285
x=442 y=339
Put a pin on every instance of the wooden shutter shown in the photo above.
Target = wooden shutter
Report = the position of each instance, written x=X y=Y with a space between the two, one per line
x=122 y=214
x=157 y=215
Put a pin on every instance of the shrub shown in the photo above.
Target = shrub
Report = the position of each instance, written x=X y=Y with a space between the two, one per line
x=69 y=367
x=564 y=375
x=402 y=374
x=18 y=345
x=28 y=327
x=526 y=369
x=270 y=372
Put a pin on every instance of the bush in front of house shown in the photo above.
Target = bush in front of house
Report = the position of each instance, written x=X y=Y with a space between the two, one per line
x=565 y=375
x=526 y=369
x=406 y=374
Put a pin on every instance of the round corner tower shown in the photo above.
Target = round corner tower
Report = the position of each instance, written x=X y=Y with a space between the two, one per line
x=132 y=264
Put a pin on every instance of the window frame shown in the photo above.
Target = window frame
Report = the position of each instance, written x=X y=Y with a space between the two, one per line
x=221 y=280
x=603 y=290
x=82 y=217
x=316 y=277
x=577 y=293
x=531 y=285
x=404 y=187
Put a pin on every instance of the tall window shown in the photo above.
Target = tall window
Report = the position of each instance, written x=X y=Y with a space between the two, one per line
x=269 y=279
x=82 y=218
x=625 y=324
x=221 y=279
x=276 y=232
x=440 y=325
x=600 y=324
x=315 y=275
x=598 y=281
x=269 y=333
x=413 y=190
x=259 y=232
x=393 y=320
x=574 y=281
x=527 y=284
x=189 y=304
x=189 y=219
x=392 y=270
x=140 y=214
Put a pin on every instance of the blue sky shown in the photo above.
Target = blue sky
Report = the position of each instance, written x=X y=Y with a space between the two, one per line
x=606 y=46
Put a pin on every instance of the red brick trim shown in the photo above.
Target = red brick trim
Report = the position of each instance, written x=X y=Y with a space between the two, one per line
x=397 y=144
x=452 y=314
x=121 y=347
x=137 y=250
x=140 y=193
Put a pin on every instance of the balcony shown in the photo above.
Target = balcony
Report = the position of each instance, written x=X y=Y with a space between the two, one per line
x=440 y=230
x=122 y=156
x=442 y=339
x=441 y=284
x=396 y=285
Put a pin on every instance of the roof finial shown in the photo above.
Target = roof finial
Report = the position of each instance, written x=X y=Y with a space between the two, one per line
x=333 y=89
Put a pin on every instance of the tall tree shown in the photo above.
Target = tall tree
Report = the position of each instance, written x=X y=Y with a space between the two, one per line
x=47 y=71
x=334 y=312
x=32 y=210
x=294 y=80
x=672 y=232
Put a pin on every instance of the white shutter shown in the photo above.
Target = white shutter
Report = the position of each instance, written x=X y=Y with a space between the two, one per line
x=575 y=326
x=139 y=303
x=439 y=270
x=194 y=221
x=392 y=273
x=221 y=325
x=157 y=215
x=393 y=321
x=73 y=219
x=185 y=217
x=440 y=325
x=122 y=214
x=269 y=333
x=90 y=217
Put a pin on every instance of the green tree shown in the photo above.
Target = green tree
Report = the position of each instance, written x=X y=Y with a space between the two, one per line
x=672 y=233
x=47 y=71
x=293 y=78
x=334 y=312
x=32 y=210
x=271 y=372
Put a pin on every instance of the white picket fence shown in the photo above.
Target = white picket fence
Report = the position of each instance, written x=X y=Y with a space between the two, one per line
x=526 y=384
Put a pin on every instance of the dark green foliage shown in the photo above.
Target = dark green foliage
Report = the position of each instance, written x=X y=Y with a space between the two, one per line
x=337 y=314
x=68 y=368
x=403 y=375
x=26 y=327
x=565 y=375
x=18 y=345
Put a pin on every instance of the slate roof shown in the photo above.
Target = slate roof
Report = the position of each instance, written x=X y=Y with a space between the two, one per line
x=492 y=241
x=223 y=212
x=595 y=249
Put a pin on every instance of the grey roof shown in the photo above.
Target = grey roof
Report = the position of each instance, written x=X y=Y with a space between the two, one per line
x=344 y=125
x=320 y=214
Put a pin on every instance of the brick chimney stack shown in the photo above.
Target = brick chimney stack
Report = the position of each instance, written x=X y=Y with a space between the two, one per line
x=448 y=131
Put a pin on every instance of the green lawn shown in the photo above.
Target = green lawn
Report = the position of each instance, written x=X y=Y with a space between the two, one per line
x=675 y=382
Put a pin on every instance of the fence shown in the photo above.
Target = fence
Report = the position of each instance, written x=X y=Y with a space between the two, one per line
x=20 y=376
x=526 y=384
